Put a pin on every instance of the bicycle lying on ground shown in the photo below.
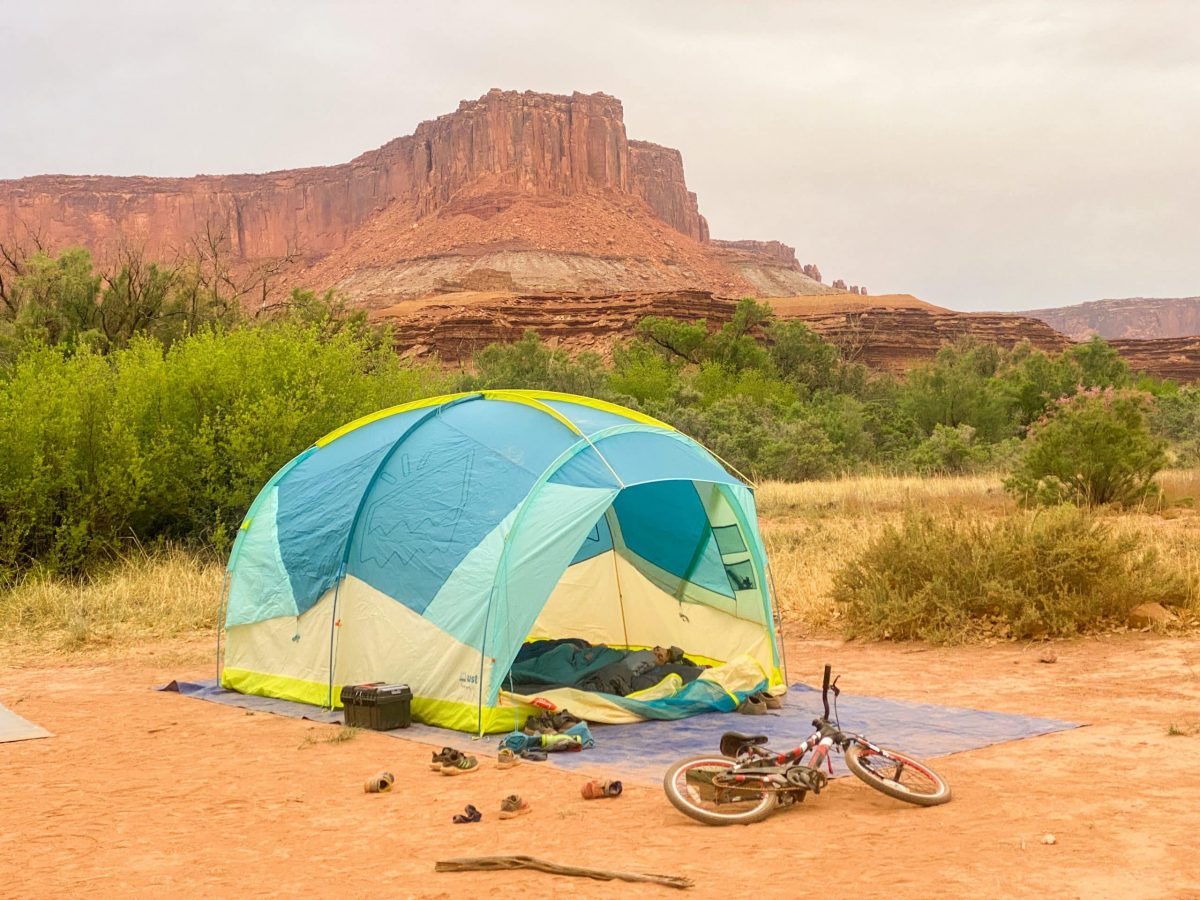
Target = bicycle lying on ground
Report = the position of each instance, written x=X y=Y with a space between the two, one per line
x=748 y=781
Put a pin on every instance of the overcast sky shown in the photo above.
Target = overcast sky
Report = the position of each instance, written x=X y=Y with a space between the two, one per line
x=981 y=155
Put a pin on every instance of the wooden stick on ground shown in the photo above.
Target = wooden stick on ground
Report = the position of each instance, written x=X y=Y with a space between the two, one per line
x=499 y=863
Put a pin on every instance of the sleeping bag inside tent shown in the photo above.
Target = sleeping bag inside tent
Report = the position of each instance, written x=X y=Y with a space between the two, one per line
x=429 y=543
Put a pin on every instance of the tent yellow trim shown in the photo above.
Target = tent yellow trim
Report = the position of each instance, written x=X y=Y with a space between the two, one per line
x=284 y=688
x=525 y=398
x=385 y=413
x=432 y=711
x=601 y=405
x=529 y=398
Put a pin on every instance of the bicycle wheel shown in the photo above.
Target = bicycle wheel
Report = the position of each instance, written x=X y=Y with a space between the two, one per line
x=689 y=786
x=898 y=775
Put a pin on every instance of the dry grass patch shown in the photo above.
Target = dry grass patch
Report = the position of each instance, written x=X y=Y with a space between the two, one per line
x=1180 y=487
x=340 y=735
x=143 y=595
x=873 y=494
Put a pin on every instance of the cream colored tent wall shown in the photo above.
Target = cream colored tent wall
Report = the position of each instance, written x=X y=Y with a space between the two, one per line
x=379 y=639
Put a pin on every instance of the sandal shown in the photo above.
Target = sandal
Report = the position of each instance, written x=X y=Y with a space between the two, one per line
x=596 y=790
x=443 y=756
x=513 y=806
x=379 y=784
x=534 y=755
x=506 y=759
x=465 y=763
x=468 y=815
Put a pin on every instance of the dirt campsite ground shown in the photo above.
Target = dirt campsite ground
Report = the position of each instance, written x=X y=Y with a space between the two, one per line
x=142 y=792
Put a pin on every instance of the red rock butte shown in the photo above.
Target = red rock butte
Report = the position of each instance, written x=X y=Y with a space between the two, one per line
x=514 y=190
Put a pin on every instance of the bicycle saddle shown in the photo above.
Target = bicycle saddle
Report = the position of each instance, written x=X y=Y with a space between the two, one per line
x=733 y=741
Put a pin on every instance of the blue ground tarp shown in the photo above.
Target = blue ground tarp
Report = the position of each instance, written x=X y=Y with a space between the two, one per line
x=642 y=751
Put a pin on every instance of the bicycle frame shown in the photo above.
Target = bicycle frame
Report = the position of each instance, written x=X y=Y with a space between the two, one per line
x=827 y=736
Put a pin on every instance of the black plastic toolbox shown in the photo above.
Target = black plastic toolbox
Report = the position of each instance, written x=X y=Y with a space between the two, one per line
x=380 y=707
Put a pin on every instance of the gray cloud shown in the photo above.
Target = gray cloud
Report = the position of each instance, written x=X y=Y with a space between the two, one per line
x=980 y=155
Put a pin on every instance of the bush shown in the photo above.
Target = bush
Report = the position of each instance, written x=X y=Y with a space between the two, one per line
x=151 y=445
x=1052 y=572
x=1093 y=448
x=948 y=451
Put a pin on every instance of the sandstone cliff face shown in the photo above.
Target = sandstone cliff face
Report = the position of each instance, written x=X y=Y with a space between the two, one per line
x=658 y=179
x=1134 y=318
x=770 y=267
x=504 y=144
x=892 y=332
x=895 y=335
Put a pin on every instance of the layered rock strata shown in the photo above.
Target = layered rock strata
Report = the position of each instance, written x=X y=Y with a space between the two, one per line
x=1133 y=318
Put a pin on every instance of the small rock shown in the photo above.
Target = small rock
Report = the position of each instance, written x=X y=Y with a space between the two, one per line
x=1146 y=614
x=1049 y=839
x=1048 y=657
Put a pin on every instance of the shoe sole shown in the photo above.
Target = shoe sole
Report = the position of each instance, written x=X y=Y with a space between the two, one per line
x=512 y=814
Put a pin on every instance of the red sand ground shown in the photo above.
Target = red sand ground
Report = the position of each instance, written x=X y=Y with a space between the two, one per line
x=149 y=793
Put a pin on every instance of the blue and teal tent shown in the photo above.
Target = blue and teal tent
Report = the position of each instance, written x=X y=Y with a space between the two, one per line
x=426 y=543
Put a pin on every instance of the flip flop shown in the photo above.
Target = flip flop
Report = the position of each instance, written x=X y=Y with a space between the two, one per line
x=513 y=806
x=468 y=815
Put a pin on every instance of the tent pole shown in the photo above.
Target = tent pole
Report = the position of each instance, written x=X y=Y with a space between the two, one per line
x=775 y=608
x=614 y=533
x=620 y=596
x=333 y=620
x=220 y=620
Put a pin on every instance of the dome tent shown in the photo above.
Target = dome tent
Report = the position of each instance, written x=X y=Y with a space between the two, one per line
x=428 y=542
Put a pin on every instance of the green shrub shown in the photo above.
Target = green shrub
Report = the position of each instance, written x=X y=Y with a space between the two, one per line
x=149 y=445
x=1051 y=572
x=1091 y=449
x=948 y=451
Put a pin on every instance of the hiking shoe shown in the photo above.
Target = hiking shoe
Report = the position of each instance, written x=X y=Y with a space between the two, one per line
x=470 y=814
x=769 y=701
x=752 y=706
x=595 y=790
x=506 y=759
x=513 y=806
x=443 y=756
x=465 y=763
x=380 y=783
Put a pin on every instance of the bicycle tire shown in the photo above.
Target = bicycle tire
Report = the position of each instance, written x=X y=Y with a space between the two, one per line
x=762 y=807
x=854 y=761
